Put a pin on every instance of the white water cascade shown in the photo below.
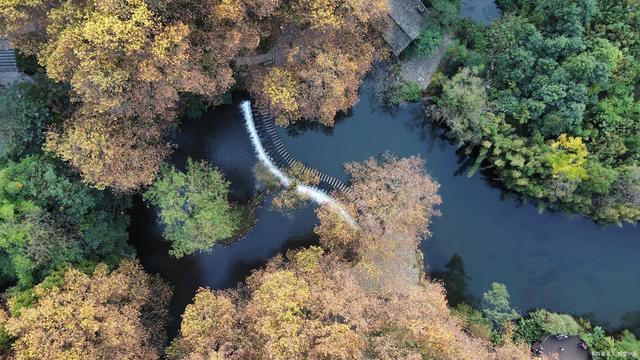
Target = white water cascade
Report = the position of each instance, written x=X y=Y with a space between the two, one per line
x=318 y=196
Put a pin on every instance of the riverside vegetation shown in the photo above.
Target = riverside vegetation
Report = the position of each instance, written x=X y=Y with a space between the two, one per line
x=548 y=105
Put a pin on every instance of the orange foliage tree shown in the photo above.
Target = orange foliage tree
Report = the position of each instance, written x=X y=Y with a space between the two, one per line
x=312 y=306
x=331 y=47
x=117 y=315
x=393 y=195
x=110 y=151
x=127 y=61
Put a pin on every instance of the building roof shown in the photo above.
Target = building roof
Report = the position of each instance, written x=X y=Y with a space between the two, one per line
x=403 y=23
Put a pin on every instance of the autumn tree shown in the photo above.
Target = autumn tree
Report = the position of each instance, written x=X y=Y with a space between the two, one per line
x=292 y=313
x=393 y=194
x=105 y=315
x=119 y=56
x=127 y=61
x=331 y=47
x=111 y=151
x=335 y=233
x=310 y=305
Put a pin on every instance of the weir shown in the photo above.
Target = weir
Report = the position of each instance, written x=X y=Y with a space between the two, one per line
x=316 y=195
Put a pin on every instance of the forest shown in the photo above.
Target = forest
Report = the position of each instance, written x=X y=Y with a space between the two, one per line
x=544 y=100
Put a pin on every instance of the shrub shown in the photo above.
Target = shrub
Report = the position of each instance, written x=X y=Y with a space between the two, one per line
x=428 y=41
x=402 y=92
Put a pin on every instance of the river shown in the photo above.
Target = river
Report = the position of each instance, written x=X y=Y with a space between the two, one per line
x=550 y=260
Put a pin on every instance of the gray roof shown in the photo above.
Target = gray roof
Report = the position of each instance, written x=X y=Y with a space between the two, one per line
x=403 y=23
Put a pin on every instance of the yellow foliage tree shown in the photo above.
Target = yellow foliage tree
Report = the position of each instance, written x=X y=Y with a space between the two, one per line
x=568 y=157
x=117 y=315
x=333 y=47
x=110 y=151
x=129 y=60
x=207 y=327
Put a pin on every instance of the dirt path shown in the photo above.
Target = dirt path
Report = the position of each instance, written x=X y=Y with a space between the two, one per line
x=420 y=69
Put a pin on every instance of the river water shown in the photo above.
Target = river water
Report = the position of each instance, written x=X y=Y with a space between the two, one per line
x=550 y=260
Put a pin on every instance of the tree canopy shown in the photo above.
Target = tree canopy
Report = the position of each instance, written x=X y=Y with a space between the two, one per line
x=194 y=207
x=23 y=116
x=116 y=315
x=129 y=61
x=553 y=110
x=48 y=218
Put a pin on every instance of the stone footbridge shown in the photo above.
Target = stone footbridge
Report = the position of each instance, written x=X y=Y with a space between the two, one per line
x=273 y=145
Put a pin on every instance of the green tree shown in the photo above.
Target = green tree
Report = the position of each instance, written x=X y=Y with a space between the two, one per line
x=560 y=82
x=428 y=41
x=625 y=345
x=599 y=343
x=556 y=324
x=462 y=107
x=23 y=115
x=194 y=208
x=402 y=92
x=496 y=307
x=48 y=218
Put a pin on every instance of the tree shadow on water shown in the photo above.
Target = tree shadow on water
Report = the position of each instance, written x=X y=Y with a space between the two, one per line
x=455 y=281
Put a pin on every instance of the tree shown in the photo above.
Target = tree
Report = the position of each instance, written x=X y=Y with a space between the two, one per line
x=568 y=157
x=119 y=57
x=331 y=45
x=395 y=195
x=495 y=306
x=599 y=343
x=428 y=41
x=127 y=61
x=556 y=324
x=325 y=82
x=194 y=207
x=103 y=315
x=48 y=218
x=310 y=305
x=291 y=313
x=111 y=152
x=22 y=118
x=401 y=92
x=462 y=107
x=559 y=81
x=335 y=233
x=207 y=329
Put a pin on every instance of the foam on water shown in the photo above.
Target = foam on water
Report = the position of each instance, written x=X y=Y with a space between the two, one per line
x=316 y=195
